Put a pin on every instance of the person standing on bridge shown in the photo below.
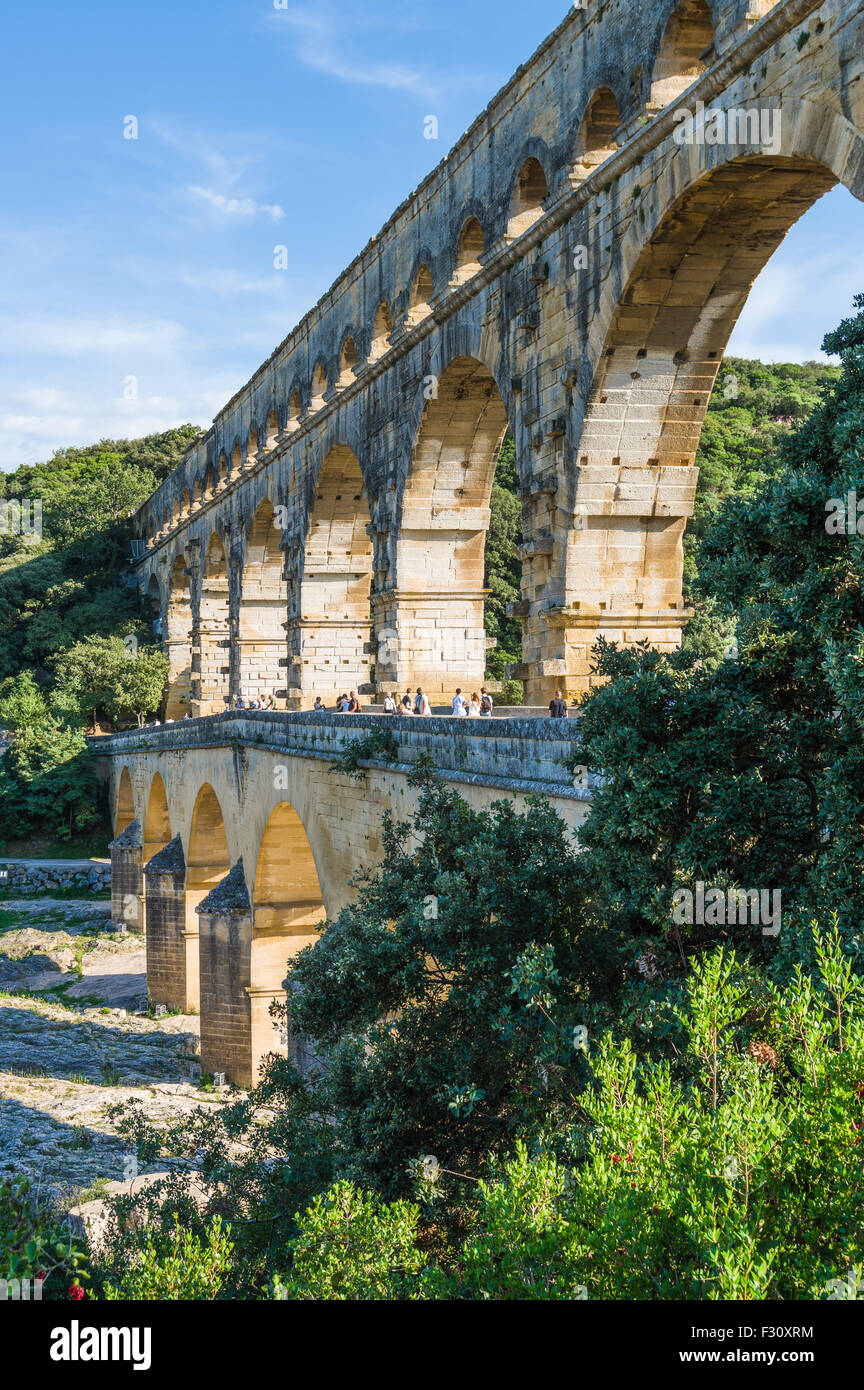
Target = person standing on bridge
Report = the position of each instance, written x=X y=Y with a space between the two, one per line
x=354 y=705
x=319 y=704
x=421 y=704
x=486 y=703
x=558 y=706
x=389 y=704
x=473 y=710
x=459 y=705
x=407 y=707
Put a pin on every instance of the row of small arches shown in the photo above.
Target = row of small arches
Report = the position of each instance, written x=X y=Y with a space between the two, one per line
x=684 y=51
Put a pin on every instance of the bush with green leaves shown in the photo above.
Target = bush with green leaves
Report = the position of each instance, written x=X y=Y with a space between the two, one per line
x=731 y=1169
x=351 y=1245
x=174 y=1264
x=36 y=1244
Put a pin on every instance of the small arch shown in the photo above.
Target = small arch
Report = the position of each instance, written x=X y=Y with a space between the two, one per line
x=157 y=821
x=288 y=910
x=468 y=252
x=382 y=327
x=347 y=363
x=175 y=511
x=272 y=431
x=223 y=471
x=236 y=459
x=686 y=49
x=295 y=409
x=595 y=142
x=252 y=448
x=125 y=803
x=197 y=492
x=529 y=194
x=319 y=388
x=422 y=291
x=186 y=503
x=208 y=482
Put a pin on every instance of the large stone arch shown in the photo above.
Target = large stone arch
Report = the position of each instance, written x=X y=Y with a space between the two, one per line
x=207 y=864
x=263 y=607
x=211 y=655
x=288 y=909
x=330 y=630
x=430 y=627
x=178 y=640
x=684 y=286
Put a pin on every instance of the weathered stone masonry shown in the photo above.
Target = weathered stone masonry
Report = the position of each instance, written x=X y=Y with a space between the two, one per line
x=569 y=269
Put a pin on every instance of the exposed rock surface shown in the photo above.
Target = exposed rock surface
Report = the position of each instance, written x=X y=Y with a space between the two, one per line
x=63 y=1062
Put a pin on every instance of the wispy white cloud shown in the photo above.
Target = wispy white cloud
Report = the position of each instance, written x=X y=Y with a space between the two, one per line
x=237 y=207
x=56 y=336
x=228 y=283
x=322 y=44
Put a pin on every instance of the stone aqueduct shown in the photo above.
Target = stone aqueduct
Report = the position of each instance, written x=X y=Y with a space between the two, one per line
x=572 y=270
x=333 y=518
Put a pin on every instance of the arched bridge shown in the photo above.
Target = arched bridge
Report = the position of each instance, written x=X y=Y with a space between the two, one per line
x=234 y=840
x=573 y=271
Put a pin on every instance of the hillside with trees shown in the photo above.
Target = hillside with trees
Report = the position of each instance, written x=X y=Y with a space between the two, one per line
x=77 y=650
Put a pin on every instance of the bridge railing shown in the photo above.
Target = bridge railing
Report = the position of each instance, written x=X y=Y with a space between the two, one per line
x=524 y=753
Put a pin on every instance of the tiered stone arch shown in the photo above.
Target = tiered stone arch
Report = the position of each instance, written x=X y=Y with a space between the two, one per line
x=178 y=639
x=211 y=642
x=207 y=864
x=430 y=625
x=665 y=336
x=263 y=607
x=288 y=910
x=330 y=630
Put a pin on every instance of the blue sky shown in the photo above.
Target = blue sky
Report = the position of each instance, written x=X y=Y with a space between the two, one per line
x=152 y=258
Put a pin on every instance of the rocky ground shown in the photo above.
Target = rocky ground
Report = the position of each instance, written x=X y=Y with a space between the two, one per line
x=75 y=1038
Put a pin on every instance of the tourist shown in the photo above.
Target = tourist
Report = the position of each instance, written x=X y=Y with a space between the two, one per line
x=319 y=705
x=474 y=706
x=421 y=704
x=342 y=704
x=558 y=706
x=241 y=703
x=459 y=705
x=486 y=703
x=354 y=705
x=407 y=706
x=389 y=704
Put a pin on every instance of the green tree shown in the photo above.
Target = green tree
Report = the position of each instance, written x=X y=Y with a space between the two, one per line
x=48 y=783
x=22 y=704
x=140 y=684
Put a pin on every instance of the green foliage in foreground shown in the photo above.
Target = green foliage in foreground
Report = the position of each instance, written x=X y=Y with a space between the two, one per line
x=729 y=1170
x=176 y=1264
x=35 y=1244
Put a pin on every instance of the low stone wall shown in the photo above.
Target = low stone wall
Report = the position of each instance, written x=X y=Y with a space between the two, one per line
x=52 y=876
